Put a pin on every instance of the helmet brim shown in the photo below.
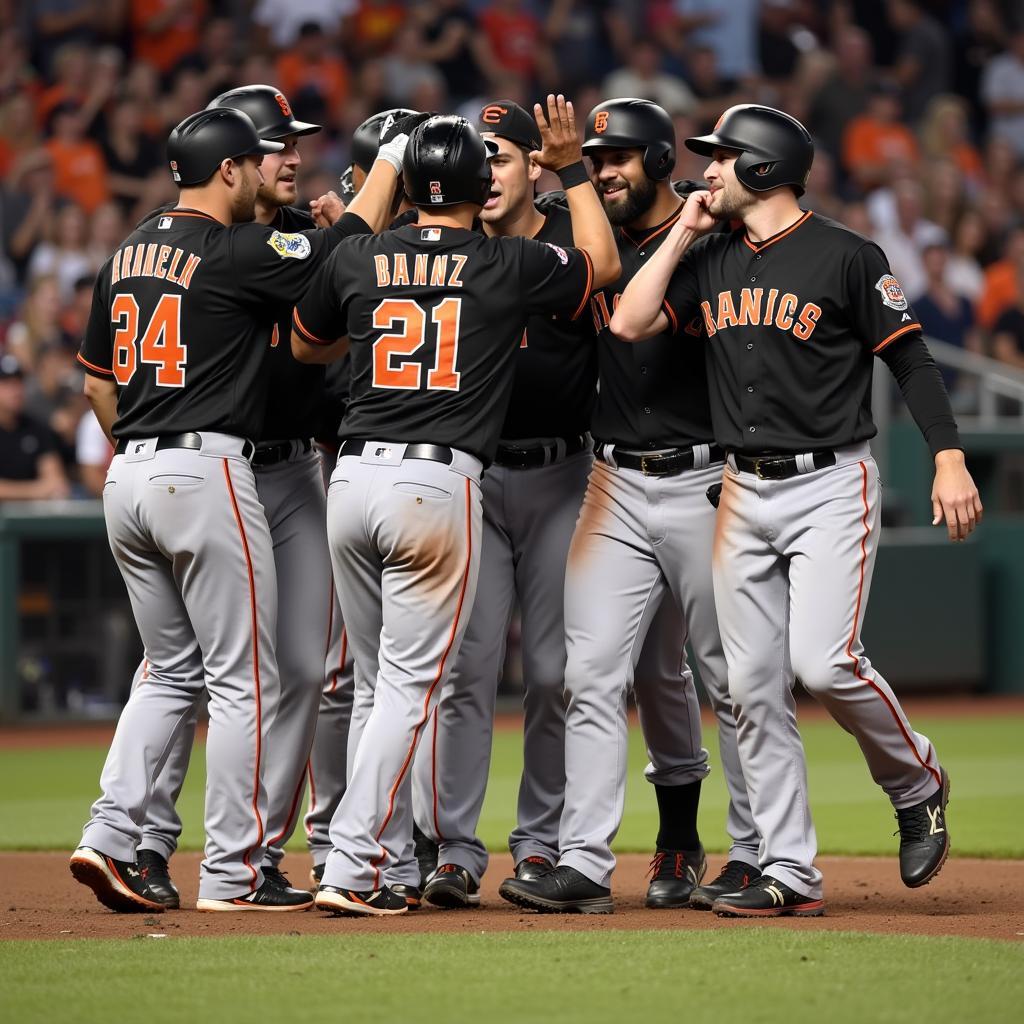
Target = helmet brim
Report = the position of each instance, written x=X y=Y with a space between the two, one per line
x=612 y=142
x=706 y=145
x=293 y=127
x=265 y=146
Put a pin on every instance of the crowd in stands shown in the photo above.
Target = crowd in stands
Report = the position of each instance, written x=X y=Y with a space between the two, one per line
x=917 y=109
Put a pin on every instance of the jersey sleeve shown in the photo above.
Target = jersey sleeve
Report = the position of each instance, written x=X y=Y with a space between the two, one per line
x=879 y=311
x=275 y=267
x=321 y=316
x=682 y=297
x=555 y=279
x=96 y=353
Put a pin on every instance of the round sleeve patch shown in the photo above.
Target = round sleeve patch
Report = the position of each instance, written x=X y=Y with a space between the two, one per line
x=290 y=246
x=892 y=292
x=562 y=254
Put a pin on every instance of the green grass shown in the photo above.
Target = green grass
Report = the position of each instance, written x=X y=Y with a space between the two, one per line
x=45 y=794
x=746 y=975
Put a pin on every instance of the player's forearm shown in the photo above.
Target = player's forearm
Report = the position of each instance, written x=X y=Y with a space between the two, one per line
x=592 y=232
x=375 y=199
x=306 y=352
x=639 y=314
x=102 y=396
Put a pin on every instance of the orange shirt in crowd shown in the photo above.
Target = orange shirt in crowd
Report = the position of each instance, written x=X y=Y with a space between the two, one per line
x=871 y=143
x=328 y=77
x=374 y=25
x=51 y=98
x=514 y=38
x=180 y=37
x=79 y=172
x=998 y=292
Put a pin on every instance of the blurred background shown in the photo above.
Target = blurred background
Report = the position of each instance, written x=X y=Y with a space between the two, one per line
x=917 y=109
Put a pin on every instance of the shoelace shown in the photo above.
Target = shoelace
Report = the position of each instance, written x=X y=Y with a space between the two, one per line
x=677 y=868
x=914 y=823
x=735 y=873
x=537 y=860
x=155 y=868
x=276 y=877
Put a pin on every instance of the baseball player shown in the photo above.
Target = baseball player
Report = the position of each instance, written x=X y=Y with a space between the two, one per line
x=174 y=354
x=643 y=543
x=531 y=499
x=795 y=307
x=435 y=314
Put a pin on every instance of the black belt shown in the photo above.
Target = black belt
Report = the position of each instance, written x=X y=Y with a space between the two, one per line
x=271 y=454
x=515 y=456
x=665 y=464
x=780 y=467
x=190 y=439
x=430 y=452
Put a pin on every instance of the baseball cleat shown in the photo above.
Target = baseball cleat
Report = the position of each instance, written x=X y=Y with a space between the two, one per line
x=410 y=893
x=118 y=884
x=452 y=887
x=153 y=868
x=426 y=854
x=735 y=876
x=767 y=897
x=381 y=902
x=924 y=838
x=563 y=890
x=533 y=867
x=674 y=876
x=268 y=898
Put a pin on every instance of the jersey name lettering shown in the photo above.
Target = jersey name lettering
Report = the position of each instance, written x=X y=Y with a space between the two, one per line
x=154 y=260
x=756 y=307
x=442 y=270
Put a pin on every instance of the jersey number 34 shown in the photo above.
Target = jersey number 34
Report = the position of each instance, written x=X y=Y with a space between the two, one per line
x=405 y=325
x=160 y=346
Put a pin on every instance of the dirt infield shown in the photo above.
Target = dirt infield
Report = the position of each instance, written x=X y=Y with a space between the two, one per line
x=975 y=898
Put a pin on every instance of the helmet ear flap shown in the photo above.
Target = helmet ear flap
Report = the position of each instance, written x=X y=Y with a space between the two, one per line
x=659 y=160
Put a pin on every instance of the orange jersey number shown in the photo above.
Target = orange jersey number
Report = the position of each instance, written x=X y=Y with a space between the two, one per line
x=391 y=367
x=161 y=344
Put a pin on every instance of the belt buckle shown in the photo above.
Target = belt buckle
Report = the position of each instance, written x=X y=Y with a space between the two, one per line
x=643 y=464
x=757 y=469
x=763 y=468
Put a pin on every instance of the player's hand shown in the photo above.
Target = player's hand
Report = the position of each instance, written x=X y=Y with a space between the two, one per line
x=562 y=146
x=394 y=137
x=695 y=215
x=955 y=497
x=327 y=209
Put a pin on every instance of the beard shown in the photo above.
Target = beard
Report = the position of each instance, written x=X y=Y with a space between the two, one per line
x=273 y=195
x=639 y=199
x=243 y=206
x=732 y=204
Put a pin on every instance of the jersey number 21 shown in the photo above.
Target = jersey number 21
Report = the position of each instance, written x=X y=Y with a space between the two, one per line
x=404 y=323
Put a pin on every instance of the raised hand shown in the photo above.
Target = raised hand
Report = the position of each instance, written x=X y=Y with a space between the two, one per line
x=562 y=146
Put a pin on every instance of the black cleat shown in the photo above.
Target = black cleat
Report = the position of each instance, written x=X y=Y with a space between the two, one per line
x=412 y=895
x=563 y=890
x=153 y=868
x=452 y=887
x=924 y=838
x=118 y=884
x=316 y=875
x=275 y=876
x=767 y=897
x=530 y=868
x=674 y=876
x=381 y=902
x=268 y=897
x=426 y=854
x=734 y=877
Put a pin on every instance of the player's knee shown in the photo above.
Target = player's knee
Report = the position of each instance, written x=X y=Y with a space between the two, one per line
x=301 y=671
x=818 y=673
x=748 y=684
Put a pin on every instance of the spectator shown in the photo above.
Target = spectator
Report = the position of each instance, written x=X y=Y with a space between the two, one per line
x=643 y=78
x=53 y=396
x=904 y=237
x=374 y=26
x=945 y=135
x=214 y=60
x=73 y=66
x=963 y=270
x=877 y=143
x=75 y=316
x=165 y=31
x=188 y=94
x=514 y=38
x=142 y=84
x=405 y=71
x=1002 y=88
x=580 y=34
x=38 y=323
x=713 y=91
x=784 y=34
x=981 y=37
x=945 y=315
x=846 y=92
x=30 y=468
x=27 y=204
x=93 y=453
x=280 y=20
x=945 y=193
x=450 y=42
x=107 y=230
x=730 y=29
x=80 y=172
x=64 y=255
x=18 y=131
x=923 y=67
x=313 y=70
x=1001 y=288
x=56 y=23
x=137 y=178
x=1008 y=336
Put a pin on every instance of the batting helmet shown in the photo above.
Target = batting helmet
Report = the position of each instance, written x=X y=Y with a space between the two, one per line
x=775 y=149
x=445 y=163
x=366 y=138
x=198 y=146
x=634 y=124
x=269 y=109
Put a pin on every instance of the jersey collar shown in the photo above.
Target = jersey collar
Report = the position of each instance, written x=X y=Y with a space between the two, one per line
x=655 y=231
x=760 y=247
x=184 y=211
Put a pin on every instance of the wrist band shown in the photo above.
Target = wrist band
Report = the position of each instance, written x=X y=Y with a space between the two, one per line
x=573 y=175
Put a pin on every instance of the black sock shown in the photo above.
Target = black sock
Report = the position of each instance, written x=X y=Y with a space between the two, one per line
x=677 y=816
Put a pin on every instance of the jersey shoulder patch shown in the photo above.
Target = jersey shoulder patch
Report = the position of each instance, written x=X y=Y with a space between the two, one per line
x=892 y=292
x=289 y=246
x=560 y=252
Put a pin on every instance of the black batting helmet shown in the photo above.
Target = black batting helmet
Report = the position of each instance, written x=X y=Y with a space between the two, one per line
x=775 y=149
x=269 y=109
x=445 y=163
x=366 y=138
x=198 y=146
x=634 y=124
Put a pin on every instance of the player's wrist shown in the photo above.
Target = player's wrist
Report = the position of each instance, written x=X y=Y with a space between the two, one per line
x=573 y=174
x=949 y=457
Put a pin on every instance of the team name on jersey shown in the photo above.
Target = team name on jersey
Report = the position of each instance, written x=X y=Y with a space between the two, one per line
x=756 y=307
x=151 y=259
x=440 y=270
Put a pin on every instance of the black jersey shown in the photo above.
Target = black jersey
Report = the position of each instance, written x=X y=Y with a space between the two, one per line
x=653 y=394
x=183 y=311
x=793 y=324
x=435 y=316
x=555 y=381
